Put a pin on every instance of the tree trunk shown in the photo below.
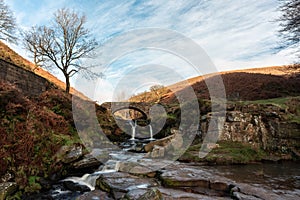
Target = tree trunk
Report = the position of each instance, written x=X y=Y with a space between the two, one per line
x=67 y=84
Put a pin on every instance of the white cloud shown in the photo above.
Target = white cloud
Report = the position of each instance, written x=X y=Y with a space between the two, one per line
x=235 y=34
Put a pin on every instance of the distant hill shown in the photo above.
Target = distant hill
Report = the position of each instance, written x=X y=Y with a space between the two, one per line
x=247 y=84
x=11 y=56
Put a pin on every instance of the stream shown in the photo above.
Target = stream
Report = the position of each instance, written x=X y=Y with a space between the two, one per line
x=281 y=178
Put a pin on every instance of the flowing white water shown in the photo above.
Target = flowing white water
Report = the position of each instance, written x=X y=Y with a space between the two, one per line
x=151 y=132
x=89 y=180
x=133 y=128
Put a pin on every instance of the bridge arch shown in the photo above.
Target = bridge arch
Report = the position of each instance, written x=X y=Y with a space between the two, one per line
x=144 y=115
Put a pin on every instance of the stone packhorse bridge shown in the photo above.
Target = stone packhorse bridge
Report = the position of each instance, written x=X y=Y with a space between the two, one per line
x=141 y=107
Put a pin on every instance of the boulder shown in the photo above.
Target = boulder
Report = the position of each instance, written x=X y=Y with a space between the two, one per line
x=73 y=186
x=95 y=195
x=167 y=145
x=68 y=154
x=144 y=194
x=88 y=161
x=161 y=142
x=157 y=152
x=119 y=183
x=246 y=191
x=168 y=193
x=177 y=176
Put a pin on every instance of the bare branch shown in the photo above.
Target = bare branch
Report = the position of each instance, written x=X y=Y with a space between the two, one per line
x=62 y=44
x=7 y=23
x=290 y=24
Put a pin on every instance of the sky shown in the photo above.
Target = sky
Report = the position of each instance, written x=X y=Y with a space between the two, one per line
x=230 y=34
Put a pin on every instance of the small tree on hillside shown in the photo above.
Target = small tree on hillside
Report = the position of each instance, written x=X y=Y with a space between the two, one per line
x=62 y=44
x=7 y=23
x=158 y=90
x=290 y=24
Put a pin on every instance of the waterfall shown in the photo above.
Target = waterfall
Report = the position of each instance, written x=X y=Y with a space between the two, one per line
x=151 y=132
x=89 y=180
x=133 y=128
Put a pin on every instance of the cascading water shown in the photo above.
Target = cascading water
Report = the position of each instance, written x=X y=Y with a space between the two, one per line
x=151 y=132
x=133 y=128
x=89 y=180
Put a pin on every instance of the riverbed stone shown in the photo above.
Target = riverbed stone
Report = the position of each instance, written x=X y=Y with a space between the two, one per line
x=95 y=195
x=6 y=189
x=161 y=142
x=88 y=161
x=247 y=191
x=174 y=194
x=186 y=176
x=144 y=194
x=119 y=183
x=68 y=154
x=241 y=196
x=73 y=186
x=157 y=152
x=144 y=167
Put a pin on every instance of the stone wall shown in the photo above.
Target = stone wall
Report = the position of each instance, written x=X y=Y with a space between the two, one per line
x=30 y=83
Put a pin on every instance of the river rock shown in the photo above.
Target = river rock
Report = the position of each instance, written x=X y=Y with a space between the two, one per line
x=95 y=195
x=68 y=154
x=87 y=161
x=144 y=167
x=144 y=194
x=246 y=191
x=119 y=183
x=167 y=145
x=7 y=189
x=162 y=142
x=73 y=186
x=173 y=194
x=157 y=152
x=241 y=196
x=174 y=141
x=186 y=176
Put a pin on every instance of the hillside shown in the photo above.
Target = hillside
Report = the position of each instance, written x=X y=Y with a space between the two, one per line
x=248 y=84
x=11 y=56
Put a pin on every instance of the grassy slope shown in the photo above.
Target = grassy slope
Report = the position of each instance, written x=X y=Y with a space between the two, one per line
x=32 y=131
x=249 y=84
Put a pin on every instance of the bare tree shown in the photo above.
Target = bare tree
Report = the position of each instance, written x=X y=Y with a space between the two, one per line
x=290 y=24
x=7 y=23
x=62 y=44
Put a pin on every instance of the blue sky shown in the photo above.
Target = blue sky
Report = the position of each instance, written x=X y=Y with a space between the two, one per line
x=235 y=34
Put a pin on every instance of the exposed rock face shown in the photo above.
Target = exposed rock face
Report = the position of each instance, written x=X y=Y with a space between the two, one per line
x=263 y=126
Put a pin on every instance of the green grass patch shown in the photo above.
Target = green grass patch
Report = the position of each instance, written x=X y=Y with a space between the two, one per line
x=226 y=153
x=280 y=102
